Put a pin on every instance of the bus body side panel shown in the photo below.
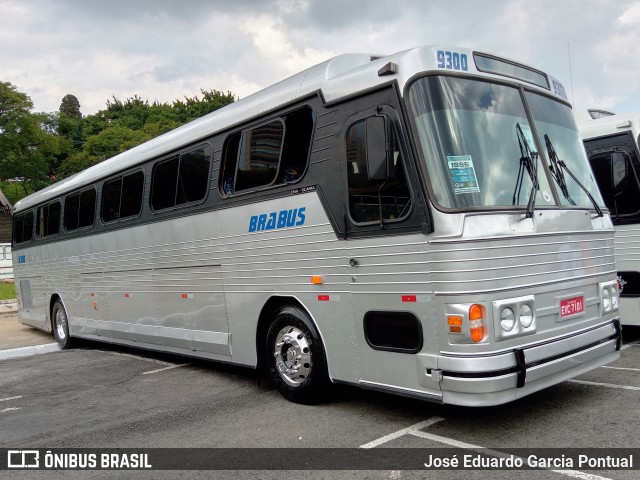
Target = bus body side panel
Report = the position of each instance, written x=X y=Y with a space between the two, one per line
x=273 y=248
x=627 y=246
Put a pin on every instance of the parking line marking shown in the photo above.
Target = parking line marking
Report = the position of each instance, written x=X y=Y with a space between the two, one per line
x=496 y=453
x=10 y=398
x=166 y=368
x=152 y=360
x=10 y=409
x=400 y=433
x=631 y=344
x=607 y=385
x=416 y=431
x=626 y=369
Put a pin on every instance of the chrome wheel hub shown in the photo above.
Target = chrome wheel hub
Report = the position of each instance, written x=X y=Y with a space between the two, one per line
x=61 y=324
x=292 y=352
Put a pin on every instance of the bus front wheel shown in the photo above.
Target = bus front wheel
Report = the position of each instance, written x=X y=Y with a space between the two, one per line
x=60 y=323
x=295 y=357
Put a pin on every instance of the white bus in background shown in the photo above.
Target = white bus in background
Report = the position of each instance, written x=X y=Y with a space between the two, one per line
x=6 y=262
x=612 y=145
x=424 y=223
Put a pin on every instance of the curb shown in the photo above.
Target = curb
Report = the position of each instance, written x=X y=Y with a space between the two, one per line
x=8 y=306
x=29 y=351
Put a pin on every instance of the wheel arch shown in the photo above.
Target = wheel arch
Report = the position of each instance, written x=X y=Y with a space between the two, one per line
x=266 y=317
x=52 y=301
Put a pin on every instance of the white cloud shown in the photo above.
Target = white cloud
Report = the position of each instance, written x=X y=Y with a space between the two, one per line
x=162 y=49
x=273 y=44
x=631 y=15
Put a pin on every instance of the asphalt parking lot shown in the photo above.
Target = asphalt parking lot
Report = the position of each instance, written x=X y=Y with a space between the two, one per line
x=103 y=396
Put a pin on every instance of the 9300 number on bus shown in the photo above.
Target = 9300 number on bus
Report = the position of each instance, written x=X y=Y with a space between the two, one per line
x=452 y=60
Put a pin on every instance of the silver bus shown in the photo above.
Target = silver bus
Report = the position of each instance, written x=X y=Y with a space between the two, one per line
x=612 y=145
x=424 y=223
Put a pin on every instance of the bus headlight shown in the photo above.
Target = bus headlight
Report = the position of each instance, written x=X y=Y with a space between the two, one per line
x=507 y=319
x=526 y=315
x=606 y=299
x=514 y=317
x=609 y=296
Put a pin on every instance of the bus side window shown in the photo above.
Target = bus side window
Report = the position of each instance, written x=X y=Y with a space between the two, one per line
x=275 y=153
x=367 y=197
x=23 y=227
x=48 y=222
x=180 y=180
x=122 y=197
x=618 y=182
x=80 y=210
x=297 y=142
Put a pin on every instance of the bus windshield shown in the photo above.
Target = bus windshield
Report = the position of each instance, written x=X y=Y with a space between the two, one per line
x=556 y=125
x=480 y=149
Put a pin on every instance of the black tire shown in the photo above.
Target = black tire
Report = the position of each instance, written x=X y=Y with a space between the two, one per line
x=60 y=325
x=295 y=357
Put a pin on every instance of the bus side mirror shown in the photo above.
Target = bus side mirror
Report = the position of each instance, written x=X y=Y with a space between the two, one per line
x=377 y=151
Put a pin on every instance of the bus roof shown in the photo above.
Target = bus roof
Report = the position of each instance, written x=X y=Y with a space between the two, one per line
x=600 y=127
x=337 y=78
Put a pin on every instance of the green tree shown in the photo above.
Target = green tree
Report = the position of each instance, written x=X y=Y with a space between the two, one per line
x=123 y=124
x=70 y=107
x=26 y=148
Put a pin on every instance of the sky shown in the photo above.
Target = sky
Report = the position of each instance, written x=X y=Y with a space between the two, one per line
x=168 y=49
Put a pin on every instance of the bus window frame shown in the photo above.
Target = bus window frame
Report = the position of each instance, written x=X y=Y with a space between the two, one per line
x=95 y=206
x=24 y=213
x=37 y=219
x=208 y=148
x=392 y=119
x=281 y=116
x=121 y=177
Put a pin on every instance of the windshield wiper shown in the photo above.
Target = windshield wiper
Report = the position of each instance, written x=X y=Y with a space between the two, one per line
x=556 y=170
x=528 y=162
x=553 y=158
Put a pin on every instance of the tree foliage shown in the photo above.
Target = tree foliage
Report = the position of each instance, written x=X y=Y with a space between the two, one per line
x=39 y=147
x=123 y=124
x=26 y=148
x=70 y=107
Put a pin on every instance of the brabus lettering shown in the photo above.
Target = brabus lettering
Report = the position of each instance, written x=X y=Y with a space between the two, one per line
x=294 y=217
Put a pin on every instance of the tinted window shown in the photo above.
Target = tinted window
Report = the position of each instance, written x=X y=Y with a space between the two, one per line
x=111 y=200
x=132 y=191
x=165 y=176
x=618 y=182
x=193 y=178
x=180 y=180
x=367 y=198
x=272 y=154
x=259 y=156
x=122 y=197
x=48 y=220
x=79 y=210
x=23 y=227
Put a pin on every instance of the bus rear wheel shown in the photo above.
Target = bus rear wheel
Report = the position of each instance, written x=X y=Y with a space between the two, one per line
x=295 y=357
x=60 y=323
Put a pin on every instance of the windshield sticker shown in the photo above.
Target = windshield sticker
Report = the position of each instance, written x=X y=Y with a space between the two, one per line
x=546 y=196
x=463 y=175
x=526 y=131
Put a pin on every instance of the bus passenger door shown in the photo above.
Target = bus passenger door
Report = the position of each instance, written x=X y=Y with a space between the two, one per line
x=387 y=254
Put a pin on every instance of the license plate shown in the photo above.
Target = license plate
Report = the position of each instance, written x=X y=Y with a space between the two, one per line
x=571 y=306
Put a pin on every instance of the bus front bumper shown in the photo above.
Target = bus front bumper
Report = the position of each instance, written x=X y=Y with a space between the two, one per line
x=496 y=378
